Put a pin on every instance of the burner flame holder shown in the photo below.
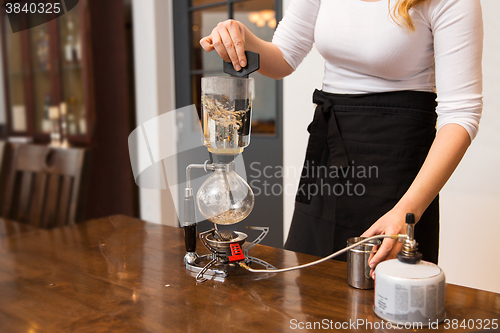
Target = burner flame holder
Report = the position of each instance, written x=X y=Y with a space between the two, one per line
x=218 y=264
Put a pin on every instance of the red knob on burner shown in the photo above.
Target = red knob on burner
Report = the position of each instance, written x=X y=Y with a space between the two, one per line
x=237 y=253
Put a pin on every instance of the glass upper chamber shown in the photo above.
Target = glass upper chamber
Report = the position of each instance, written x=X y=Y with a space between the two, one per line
x=227 y=113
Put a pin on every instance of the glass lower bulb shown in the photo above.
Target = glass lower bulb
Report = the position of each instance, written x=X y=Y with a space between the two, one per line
x=225 y=197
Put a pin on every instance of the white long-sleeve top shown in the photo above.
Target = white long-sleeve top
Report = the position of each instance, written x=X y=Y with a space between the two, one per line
x=365 y=51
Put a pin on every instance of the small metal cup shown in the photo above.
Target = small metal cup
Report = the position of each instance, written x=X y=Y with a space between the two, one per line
x=358 y=271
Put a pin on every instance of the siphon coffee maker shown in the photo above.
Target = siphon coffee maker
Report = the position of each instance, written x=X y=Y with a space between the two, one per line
x=224 y=198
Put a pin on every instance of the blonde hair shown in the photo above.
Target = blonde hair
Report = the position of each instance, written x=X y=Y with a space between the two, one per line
x=401 y=12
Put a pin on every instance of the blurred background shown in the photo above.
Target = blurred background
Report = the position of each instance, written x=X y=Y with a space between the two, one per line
x=116 y=64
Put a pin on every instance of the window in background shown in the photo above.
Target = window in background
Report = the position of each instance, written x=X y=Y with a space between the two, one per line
x=41 y=68
x=15 y=79
x=45 y=66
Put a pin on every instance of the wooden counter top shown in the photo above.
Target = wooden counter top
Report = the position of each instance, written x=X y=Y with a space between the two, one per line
x=120 y=274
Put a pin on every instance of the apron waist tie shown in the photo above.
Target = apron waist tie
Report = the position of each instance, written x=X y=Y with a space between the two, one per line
x=324 y=132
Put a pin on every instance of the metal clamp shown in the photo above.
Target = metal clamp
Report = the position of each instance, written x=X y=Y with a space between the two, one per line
x=263 y=234
x=199 y=277
x=205 y=243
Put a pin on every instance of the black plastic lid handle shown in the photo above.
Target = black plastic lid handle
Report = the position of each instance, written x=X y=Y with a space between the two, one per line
x=253 y=64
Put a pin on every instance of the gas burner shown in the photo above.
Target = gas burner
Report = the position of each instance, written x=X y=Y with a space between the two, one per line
x=222 y=240
x=224 y=255
x=224 y=235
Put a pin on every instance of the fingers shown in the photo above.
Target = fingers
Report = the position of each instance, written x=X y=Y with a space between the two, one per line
x=218 y=45
x=391 y=223
x=383 y=252
x=374 y=260
x=228 y=39
x=238 y=38
x=372 y=254
x=228 y=44
x=207 y=44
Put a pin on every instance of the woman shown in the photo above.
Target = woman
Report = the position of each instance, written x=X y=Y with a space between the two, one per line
x=385 y=64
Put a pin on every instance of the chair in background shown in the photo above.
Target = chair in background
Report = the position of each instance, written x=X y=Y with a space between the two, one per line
x=45 y=185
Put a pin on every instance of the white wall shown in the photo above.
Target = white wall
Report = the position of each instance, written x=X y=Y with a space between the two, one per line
x=298 y=110
x=155 y=94
x=470 y=226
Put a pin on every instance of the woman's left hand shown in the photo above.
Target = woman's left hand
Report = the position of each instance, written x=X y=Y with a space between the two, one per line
x=393 y=222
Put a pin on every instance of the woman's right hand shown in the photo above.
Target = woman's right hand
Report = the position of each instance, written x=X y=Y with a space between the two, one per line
x=228 y=39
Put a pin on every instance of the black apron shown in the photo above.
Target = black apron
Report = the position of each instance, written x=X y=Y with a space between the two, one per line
x=364 y=152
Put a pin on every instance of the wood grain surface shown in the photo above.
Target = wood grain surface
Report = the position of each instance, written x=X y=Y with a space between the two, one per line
x=120 y=274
